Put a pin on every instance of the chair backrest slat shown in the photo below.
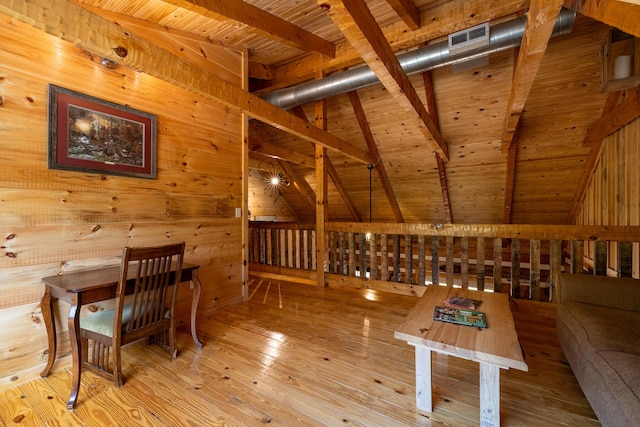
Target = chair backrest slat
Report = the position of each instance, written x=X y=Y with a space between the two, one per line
x=152 y=273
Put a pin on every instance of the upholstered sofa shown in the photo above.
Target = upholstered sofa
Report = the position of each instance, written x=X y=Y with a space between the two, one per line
x=599 y=332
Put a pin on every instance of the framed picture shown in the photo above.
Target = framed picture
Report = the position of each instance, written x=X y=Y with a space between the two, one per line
x=88 y=134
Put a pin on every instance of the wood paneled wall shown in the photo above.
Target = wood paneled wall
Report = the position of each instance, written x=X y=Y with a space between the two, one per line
x=612 y=196
x=265 y=203
x=54 y=221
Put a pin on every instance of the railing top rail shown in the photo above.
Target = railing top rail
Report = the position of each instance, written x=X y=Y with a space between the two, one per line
x=282 y=225
x=509 y=231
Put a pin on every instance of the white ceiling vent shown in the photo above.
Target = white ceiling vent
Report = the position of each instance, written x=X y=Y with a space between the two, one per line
x=469 y=39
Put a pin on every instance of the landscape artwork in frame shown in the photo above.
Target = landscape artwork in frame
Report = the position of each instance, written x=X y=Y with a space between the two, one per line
x=88 y=134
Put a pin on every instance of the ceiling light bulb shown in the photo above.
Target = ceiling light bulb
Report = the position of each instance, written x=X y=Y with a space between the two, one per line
x=275 y=180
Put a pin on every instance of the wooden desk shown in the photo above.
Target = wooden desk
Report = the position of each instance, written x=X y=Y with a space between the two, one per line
x=494 y=348
x=86 y=287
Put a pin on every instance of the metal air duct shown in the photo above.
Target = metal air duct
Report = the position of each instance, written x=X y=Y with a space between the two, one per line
x=502 y=36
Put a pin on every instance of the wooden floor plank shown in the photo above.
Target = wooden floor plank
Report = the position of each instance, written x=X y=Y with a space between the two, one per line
x=297 y=355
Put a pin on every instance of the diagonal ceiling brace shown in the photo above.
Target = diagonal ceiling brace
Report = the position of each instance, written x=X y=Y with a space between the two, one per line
x=361 y=30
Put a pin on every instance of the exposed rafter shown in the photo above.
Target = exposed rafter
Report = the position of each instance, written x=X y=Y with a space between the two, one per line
x=375 y=155
x=191 y=47
x=615 y=115
x=452 y=17
x=264 y=164
x=541 y=19
x=269 y=25
x=259 y=143
x=622 y=15
x=407 y=11
x=442 y=171
x=299 y=183
x=361 y=29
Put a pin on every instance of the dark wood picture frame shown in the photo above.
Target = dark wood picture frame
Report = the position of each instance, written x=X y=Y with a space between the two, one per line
x=88 y=134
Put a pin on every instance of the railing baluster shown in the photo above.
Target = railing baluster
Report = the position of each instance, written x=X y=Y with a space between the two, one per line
x=600 y=258
x=534 y=269
x=396 y=258
x=480 y=263
x=333 y=262
x=450 y=241
x=515 y=267
x=352 y=255
x=373 y=259
x=555 y=266
x=497 y=264
x=421 y=260
x=435 y=260
x=577 y=256
x=343 y=255
x=408 y=258
x=384 y=257
x=464 y=262
x=625 y=259
x=362 y=247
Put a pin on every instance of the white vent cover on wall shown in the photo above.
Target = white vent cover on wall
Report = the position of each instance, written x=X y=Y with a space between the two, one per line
x=469 y=39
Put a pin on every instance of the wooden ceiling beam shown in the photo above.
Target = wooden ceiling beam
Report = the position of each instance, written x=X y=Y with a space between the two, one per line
x=102 y=37
x=264 y=164
x=191 y=47
x=451 y=17
x=407 y=11
x=375 y=155
x=259 y=143
x=269 y=25
x=615 y=115
x=333 y=174
x=541 y=19
x=622 y=15
x=262 y=146
x=361 y=29
x=442 y=171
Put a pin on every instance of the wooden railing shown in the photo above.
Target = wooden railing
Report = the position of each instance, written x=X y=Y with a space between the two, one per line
x=522 y=260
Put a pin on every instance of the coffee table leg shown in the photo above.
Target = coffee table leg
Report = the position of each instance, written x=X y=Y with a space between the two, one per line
x=424 y=393
x=489 y=395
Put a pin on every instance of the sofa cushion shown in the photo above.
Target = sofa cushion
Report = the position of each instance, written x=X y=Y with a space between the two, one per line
x=614 y=292
x=606 y=328
x=603 y=347
x=625 y=384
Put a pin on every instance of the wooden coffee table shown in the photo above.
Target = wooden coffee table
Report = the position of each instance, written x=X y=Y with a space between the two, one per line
x=495 y=347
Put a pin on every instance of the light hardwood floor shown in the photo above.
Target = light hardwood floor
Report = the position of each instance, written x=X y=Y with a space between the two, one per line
x=299 y=355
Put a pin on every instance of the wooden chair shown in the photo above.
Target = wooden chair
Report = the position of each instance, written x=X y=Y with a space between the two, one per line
x=144 y=305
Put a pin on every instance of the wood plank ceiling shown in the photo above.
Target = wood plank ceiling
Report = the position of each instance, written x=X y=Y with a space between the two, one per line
x=502 y=142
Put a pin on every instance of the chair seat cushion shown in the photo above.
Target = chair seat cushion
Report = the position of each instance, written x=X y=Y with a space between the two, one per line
x=101 y=322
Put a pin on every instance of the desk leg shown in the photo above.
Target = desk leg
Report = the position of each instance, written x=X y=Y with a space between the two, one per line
x=46 y=306
x=197 y=288
x=424 y=393
x=489 y=395
x=76 y=356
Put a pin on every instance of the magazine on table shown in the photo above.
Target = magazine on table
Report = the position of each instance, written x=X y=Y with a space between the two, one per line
x=462 y=302
x=460 y=316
